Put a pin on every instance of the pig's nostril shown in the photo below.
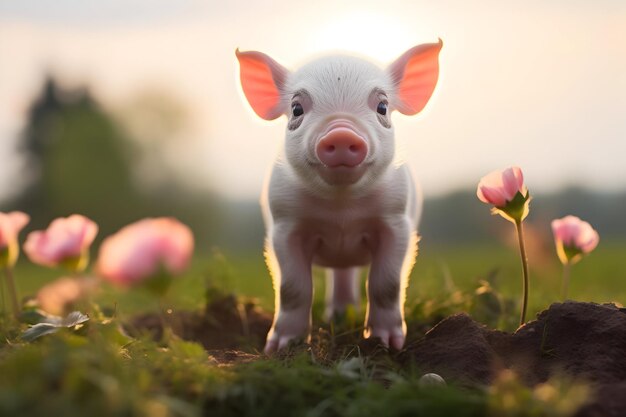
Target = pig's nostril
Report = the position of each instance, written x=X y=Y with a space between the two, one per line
x=353 y=148
x=331 y=148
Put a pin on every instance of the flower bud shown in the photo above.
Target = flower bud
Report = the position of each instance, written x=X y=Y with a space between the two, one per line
x=65 y=242
x=505 y=190
x=10 y=226
x=573 y=238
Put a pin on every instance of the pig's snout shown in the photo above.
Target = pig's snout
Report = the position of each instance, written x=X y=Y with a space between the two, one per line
x=341 y=146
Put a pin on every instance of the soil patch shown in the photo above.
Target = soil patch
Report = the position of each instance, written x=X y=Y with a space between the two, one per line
x=225 y=325
x=580 y=340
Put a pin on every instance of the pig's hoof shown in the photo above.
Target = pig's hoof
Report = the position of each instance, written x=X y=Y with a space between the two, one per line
x=391 y=337
x=277 y=342
x=271 y=346
x=290 y=325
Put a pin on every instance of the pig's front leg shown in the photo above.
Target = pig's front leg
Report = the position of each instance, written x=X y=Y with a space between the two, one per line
x=290 y=265
x=393 y=256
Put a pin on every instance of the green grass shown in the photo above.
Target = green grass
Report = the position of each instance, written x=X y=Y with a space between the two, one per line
x=96 y=370
x=438 y=271
x=600 y=277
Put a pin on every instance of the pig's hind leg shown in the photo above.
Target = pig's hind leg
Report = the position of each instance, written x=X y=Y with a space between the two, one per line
x=343 y=289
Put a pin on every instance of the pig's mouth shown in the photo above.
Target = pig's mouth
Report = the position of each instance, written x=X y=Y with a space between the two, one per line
x=341 y=175
x=341 y=151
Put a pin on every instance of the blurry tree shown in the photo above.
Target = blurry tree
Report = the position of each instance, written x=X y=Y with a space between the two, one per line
x=78 y=160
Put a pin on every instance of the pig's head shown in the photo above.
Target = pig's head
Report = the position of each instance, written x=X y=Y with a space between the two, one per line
x=339 y=131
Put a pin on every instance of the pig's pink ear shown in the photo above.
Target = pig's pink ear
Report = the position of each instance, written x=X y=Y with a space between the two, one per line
x=415 y=75
x=262 y=79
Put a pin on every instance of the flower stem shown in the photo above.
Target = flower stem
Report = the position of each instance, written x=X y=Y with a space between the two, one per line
x=566 y=274
x=522 y=251
x=3 y=300
x=13 y=291
x=166 y=327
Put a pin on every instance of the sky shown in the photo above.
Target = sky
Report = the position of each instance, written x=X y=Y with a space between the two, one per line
x=537 y=84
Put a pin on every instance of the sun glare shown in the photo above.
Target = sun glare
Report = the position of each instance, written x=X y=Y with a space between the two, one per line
x=365 y=33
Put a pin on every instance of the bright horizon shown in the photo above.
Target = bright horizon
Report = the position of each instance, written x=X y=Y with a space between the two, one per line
x=538 y=85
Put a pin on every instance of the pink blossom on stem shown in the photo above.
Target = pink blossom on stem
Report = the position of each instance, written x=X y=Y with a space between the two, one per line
x=10 y=226
x=506 y=191
x=573 y=238
x=66 y=242
x=145 y=249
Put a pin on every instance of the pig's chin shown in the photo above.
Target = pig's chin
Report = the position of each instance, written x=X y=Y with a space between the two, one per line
x=341 y=175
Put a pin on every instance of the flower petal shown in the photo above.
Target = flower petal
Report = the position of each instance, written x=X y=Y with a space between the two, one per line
x=570 y=232
x=492 y=196
x=64 y=239
x=139 y=251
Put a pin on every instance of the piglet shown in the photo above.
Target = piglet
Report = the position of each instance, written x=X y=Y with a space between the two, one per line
x=336 y=196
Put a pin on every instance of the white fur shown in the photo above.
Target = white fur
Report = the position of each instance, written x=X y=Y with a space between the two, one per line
x=309 y=221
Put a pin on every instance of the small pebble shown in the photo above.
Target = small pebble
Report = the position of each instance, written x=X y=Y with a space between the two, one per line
x=431 y=380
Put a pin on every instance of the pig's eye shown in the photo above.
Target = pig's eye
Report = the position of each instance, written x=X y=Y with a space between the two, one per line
x=297 y=110
x=382 y=108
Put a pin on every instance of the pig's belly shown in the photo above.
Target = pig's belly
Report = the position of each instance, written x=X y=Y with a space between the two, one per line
x=340 y=250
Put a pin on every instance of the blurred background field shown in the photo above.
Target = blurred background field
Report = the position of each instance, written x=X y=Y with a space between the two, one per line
x=119 y=116
x=446 y=280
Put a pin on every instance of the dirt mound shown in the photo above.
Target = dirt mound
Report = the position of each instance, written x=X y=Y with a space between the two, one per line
x=225 y=324
x=582 y=340
x=457 y=349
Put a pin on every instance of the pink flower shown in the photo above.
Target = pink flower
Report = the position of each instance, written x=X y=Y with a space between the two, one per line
x=505 y=190
x=65 y=242
x=500 y=187
x=58 y=296
x=10 y=226
x=573 y=238
x=144 y=249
